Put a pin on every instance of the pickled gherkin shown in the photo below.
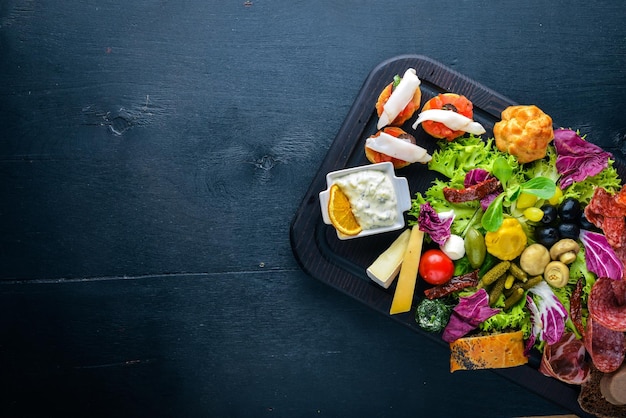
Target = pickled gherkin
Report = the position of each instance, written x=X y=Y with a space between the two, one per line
x=533 y=281
x=517 y=271
x=496 y=290
x=494 y=274
x=515 y=297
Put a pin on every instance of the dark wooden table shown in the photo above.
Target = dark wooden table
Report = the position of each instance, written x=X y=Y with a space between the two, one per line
x=152 y=157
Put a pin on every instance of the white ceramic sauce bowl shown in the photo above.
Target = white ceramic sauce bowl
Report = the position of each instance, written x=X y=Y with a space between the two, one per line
x=400 y=186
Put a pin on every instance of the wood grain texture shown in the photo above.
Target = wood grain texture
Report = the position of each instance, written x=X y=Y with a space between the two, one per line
x=152 y=156
x=127 y=104
x=180 y=346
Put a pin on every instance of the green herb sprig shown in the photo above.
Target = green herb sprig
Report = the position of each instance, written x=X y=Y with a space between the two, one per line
x=542 y=187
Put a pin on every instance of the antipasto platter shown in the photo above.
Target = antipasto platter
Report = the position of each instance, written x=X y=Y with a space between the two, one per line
x=329 y=255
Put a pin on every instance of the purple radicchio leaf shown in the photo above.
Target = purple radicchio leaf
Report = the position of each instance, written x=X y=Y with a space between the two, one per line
x=576 y=158
x=486 y=201
x=431 y=223
x=478 y=175
x=552 y=314
x=535 y=320
x=600 y=257
x=467 y=315
x=475 y=176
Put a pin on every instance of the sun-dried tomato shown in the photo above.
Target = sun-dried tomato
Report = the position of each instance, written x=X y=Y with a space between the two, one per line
x=474 y=192
x=453 y=285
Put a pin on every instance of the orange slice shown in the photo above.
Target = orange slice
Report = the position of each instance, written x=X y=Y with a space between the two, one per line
x=340 y=212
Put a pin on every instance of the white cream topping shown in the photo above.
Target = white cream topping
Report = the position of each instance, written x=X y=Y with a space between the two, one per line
x=451 y=119
x=397 y=148
x=400 y=97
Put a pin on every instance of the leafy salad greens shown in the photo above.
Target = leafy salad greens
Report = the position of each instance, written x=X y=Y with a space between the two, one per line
x=541 y=178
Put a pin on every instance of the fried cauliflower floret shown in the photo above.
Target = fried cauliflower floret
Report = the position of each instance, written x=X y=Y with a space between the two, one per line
x=525 y=132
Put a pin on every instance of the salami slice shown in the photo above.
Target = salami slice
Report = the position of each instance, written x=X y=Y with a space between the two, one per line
x=565 y=360
x=621 y=254
x=620 y=198
x=605 y=347
x=606 y=204
x=605 y=306
x=615 y=231
x=619 y=290
x=576 y=307
x=608 y=212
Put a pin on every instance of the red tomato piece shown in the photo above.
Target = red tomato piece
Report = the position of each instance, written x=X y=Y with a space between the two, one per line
x=436 y=267
x=447 y=101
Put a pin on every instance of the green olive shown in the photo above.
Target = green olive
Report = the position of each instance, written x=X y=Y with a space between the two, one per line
x=475 y=247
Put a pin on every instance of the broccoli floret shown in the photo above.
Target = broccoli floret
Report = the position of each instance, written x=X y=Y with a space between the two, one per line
x=432 y=315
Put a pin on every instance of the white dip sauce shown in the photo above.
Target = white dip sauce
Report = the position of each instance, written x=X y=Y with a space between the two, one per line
x=372 y=198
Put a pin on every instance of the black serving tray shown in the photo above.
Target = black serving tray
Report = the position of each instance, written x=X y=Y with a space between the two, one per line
x=342 y=264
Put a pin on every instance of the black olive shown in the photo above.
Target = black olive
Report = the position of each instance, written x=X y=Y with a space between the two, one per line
x=549 y=214
x=585 y=223
x=569 y=210
x=450 y=106
x=546 y=235
x=569 y=230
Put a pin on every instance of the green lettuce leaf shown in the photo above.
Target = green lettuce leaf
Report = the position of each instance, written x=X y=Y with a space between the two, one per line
x=583 y=191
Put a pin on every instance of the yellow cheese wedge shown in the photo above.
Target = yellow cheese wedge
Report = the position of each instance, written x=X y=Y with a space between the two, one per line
x=488 y=352
x=405 y=288
x=386 y=267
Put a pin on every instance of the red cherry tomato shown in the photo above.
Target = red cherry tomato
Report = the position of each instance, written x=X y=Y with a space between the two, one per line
x=436 y=267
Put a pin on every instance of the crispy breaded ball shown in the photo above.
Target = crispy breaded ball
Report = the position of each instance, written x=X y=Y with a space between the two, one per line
x=524 y=131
